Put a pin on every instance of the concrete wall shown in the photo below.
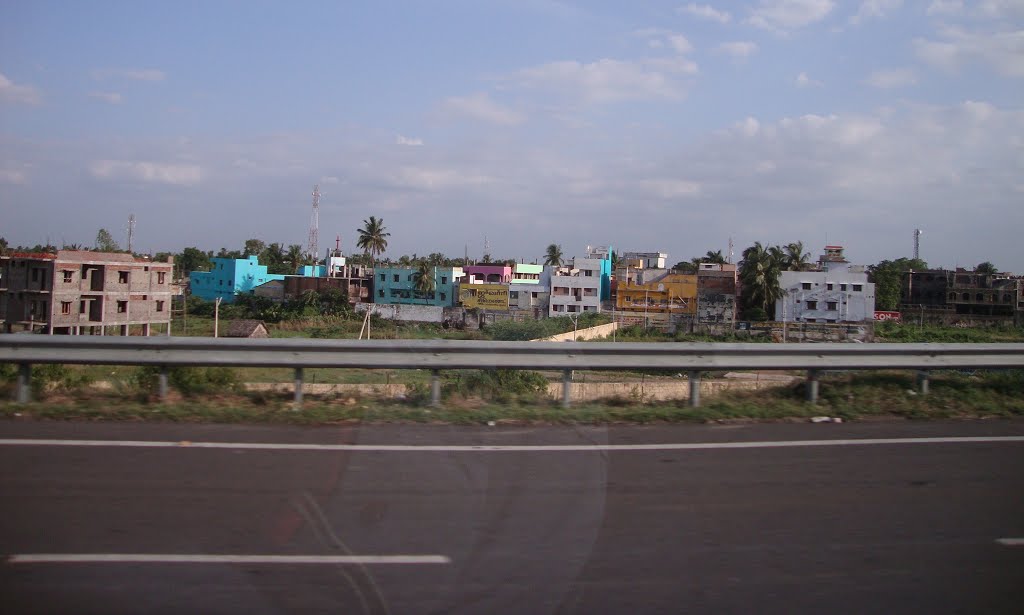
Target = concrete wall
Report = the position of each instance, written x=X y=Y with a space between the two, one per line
x=407 y=313
x=583 y=334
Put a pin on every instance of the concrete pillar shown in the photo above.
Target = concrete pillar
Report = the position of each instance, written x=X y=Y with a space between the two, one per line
x=298 y=388
x=162 y=384
x=145 y=329
x=566 y=388
x=694 y=377
x=23 y=388
x=812 y=386
x=922 y=381
x=435 y=388
x=124 y=330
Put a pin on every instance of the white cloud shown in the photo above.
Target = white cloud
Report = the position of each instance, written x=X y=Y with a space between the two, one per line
x=748 y=127
x=737 y=49
x=150 y=172
x=783 y=15
x=660 y=38
x=609 y=81
x=134 y=74
x=113 y=98
x=14 y=93
x=680 y=44
x=400 y=140
x=875 y=9
x=669 y=188
x=705 y=11
x=803 y=81
x=891 y=78
x=479 y=106
x=1002 y=50
x=946 y=7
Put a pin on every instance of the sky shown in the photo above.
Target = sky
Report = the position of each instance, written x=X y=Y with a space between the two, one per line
x=647 y=126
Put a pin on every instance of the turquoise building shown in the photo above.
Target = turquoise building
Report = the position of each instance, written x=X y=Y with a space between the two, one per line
x=229 y=277
x=397 y=285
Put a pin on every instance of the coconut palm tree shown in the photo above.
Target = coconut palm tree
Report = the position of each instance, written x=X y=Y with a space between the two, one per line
x=714 y=257
x=423 y=279
x=295 y=257
x=759 y=272
x=795 y=258
x=373 y=238
x=553 y=255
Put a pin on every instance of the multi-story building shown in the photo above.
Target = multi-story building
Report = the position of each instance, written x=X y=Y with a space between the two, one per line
x=487 y=274
x=582 y=285
x=836 y=292
x=76 y=292
x=229 y=277
x=398 y=285
x=647 y=260
x=963 y=293
x=672 y=293
x=525 y=273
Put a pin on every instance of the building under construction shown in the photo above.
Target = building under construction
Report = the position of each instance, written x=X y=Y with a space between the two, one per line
x=962 y=296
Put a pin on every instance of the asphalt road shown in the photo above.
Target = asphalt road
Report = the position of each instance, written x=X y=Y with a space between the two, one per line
x=880 y=528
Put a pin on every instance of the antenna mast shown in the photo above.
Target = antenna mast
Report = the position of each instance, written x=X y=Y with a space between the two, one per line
x=314 y=226
x=730 y=250
x=917 y=244
x=131 y=232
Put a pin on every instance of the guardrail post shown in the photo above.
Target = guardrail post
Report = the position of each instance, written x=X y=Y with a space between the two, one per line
x=435 y=388
x=162 y=384
x=694 y=389
x=298 y=388
x=23 y=390
x=922 y=381
x=812 y=386
x=566 y=387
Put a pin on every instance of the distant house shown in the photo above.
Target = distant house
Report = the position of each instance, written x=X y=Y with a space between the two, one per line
x=229 y=277
x=247 y=328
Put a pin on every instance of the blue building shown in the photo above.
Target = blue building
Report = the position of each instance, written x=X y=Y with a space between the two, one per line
x=398 y=285
x=229 y=277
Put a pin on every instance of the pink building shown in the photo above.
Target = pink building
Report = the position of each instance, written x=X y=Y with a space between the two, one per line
x=488 y=274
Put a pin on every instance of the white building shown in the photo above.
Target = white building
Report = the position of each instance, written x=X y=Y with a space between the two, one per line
x=576 y=288
x=837 y=292
x=648 y=260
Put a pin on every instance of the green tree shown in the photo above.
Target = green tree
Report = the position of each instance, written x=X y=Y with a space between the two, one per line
x=714 y=257
x=423 y=280
x=105 y=242
x=373 y=238
x=3 y=245
x=553 y=255
x=295 y=257
x=887 y=278
x=686 y=267
x=253 y=247
x=274 y=258
x=192 y=259
x=759 y=272
x=986 y=267
x=225 y=253
x=795 y=259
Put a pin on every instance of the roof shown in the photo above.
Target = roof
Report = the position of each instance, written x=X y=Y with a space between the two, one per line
x=244 y=328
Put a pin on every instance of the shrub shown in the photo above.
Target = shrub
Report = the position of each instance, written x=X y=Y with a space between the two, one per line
x=188 y=381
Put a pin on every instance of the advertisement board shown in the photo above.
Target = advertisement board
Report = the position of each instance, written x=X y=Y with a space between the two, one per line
x=484 y=296
x=893 y=316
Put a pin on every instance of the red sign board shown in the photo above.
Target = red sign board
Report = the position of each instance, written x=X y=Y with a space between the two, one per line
x=893 y=316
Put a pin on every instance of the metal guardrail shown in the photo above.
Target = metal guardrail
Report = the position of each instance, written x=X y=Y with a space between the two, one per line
x=436 y=355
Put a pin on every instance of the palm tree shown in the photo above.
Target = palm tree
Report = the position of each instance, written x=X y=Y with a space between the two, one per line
x=373 y=238
x=714 y=257
x=986 y=267
x=795 y=257
x=759 y=273
x=553 y=256
x=295 y=257
x=423 y=279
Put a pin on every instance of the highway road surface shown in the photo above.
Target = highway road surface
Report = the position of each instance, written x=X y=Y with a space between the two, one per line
x=785 y=518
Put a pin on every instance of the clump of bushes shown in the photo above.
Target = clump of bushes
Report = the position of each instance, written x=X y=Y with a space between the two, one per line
x=188 y=381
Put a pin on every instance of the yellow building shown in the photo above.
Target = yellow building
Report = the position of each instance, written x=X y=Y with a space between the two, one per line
x=674 y=293
x=485 y=296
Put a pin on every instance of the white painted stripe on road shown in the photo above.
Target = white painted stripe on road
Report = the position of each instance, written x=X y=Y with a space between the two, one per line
x=428 y=448
x=184 y=558
x=1011 y=542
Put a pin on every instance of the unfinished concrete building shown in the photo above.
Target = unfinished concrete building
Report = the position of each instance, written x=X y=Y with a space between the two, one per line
x=716 y=294
x=963 y=296
x=80 y=292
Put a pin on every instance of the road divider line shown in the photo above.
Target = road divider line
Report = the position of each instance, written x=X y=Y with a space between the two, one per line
x=1011 y=542
x=186 y=558
x=484 y=448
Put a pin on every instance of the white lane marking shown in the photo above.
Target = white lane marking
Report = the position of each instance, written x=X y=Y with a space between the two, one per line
x=668 y=446
x=1011 y=542
x=185 y=558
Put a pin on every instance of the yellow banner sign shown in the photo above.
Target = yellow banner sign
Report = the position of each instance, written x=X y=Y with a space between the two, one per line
x=486 y=296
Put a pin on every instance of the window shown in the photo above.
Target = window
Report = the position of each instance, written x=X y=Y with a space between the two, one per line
x=160 y=276
x=444 y=279
x=534 y=295
x=859 y=287
x=35 y=275
x=965 y=297
x=979 y=297
x=812 y=305
x=831 y=320
x=380 y=293
x=220 y=282
x=588 y=273
x=122 y=277
x=829 y=286
x=382 y=278
x=842 y=287
x=67 y=276
x=159 y=306
x=83 y=305
x=952 y=296
x=513 y=294
x=444 y=296
x=831 y=305
x=65 y=307
x=396 y=276
x=806 y=286
x=122 y=307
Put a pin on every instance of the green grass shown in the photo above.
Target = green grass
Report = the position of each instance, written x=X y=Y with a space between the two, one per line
x=909 y=332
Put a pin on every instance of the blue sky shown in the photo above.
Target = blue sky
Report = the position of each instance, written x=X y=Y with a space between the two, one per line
x=666 y=126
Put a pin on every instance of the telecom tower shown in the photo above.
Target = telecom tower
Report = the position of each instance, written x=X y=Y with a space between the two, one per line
x=730 y=250
x=313 y=249
x=131 y=232
x=917 y=243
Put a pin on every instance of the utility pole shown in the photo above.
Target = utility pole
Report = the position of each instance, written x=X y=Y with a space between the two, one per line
x=131 y=232
x=216 y=317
